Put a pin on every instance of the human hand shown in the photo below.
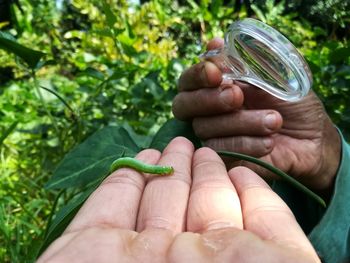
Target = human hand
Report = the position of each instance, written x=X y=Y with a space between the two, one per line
x=298 y=138
x=228 y=217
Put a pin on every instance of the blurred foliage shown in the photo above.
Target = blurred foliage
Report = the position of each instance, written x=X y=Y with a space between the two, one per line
x=117 y=63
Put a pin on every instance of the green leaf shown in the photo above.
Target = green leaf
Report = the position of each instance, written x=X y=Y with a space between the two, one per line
x=258 y=13
x=30 y=56
x=343 y=71
x=128 y=49
x=339 y=55
x=103 y=32
x=94 y=73
x=65 y=216
x=108 y=32
x=42 y=64
x=129 y=30
x=92 y=159
x=8 y=132
x=118 y=74
x=141 y=140
x=171 y=129
x=215 y=7
x=147 y=86
x=110 y=17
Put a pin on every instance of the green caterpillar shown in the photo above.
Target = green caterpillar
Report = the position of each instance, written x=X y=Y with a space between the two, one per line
x=168 y=170
x=140 y=166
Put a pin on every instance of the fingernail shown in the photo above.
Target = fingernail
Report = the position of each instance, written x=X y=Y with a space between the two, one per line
x=210 y=75
x=203 y=74
x=227 y=96
x=270 y=121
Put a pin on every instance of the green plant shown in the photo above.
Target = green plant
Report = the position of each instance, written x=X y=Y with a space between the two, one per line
x=95 y=64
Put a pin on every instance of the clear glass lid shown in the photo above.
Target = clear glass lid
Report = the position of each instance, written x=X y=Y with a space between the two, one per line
x=258 y=54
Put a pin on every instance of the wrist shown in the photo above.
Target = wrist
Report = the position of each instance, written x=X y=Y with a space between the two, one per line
x=331 y=158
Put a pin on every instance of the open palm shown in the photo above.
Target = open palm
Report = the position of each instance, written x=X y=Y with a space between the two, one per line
x=201 y=213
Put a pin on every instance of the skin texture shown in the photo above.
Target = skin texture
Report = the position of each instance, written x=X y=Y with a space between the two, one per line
x=201 y=213
x=298 y=138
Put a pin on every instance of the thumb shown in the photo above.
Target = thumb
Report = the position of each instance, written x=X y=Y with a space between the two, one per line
x=216 y=42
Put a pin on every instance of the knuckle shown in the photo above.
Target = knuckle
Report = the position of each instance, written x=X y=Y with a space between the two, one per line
x=177 y=107
x=199 y=128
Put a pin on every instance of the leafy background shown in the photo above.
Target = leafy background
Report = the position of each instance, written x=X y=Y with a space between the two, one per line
x=107 y=71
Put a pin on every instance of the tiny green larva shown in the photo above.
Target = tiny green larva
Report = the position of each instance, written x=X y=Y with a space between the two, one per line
x=167 y=170
x=140 y=166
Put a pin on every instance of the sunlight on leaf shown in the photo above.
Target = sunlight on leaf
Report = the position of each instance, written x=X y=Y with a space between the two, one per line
x=92 y=159
x=30 y=56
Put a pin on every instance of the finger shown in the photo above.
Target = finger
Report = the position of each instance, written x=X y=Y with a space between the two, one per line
x=233 y=245
x=202 y=75
x=299 y=114
x=218 y=245
x=213 y=200
x=150 y=245
x=97 y=244
x=56 y=246
x=242 y=122
x=265 y=213
x=207 y=102
x=216 y=42
x=256 y=98
x=254 y=146
x=116 y=201
x=164 y=201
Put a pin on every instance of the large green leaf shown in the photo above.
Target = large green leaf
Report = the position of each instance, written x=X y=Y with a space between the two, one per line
x=65 y=216
x=30 y=56
x=171 y=129
x=92 y=159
